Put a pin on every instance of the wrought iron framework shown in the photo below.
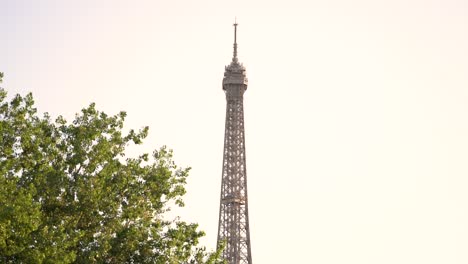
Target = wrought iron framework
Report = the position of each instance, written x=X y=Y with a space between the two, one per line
x=233 y=226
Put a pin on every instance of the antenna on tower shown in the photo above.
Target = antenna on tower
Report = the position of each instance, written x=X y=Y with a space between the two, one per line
x=235 y=39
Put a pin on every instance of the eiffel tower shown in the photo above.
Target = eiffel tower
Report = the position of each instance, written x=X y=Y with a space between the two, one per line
x=233 y=226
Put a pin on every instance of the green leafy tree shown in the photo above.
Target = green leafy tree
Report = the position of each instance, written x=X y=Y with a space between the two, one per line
x=69 y=194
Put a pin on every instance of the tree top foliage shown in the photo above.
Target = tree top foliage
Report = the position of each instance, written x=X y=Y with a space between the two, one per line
x=69 y=193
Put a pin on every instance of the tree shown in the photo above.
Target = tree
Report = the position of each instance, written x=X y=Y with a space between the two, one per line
x=69 y=193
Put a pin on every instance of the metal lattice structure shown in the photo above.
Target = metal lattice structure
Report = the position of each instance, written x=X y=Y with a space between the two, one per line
x=233 y=227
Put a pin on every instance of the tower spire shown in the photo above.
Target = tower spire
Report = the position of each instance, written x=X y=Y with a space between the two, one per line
x=234 y=58
x=233 y=225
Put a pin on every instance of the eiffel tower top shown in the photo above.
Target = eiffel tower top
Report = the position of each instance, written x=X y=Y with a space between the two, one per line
x=235 y=71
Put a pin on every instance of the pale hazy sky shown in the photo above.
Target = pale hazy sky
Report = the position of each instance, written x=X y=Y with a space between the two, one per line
x=356 y=111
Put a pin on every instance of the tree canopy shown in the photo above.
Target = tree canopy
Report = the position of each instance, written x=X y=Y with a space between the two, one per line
x=69 y=193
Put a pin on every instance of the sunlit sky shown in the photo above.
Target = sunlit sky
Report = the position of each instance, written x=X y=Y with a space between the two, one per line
x=356 y=111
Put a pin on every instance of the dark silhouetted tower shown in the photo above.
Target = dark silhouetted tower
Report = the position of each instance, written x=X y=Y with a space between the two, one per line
x=233 y=227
